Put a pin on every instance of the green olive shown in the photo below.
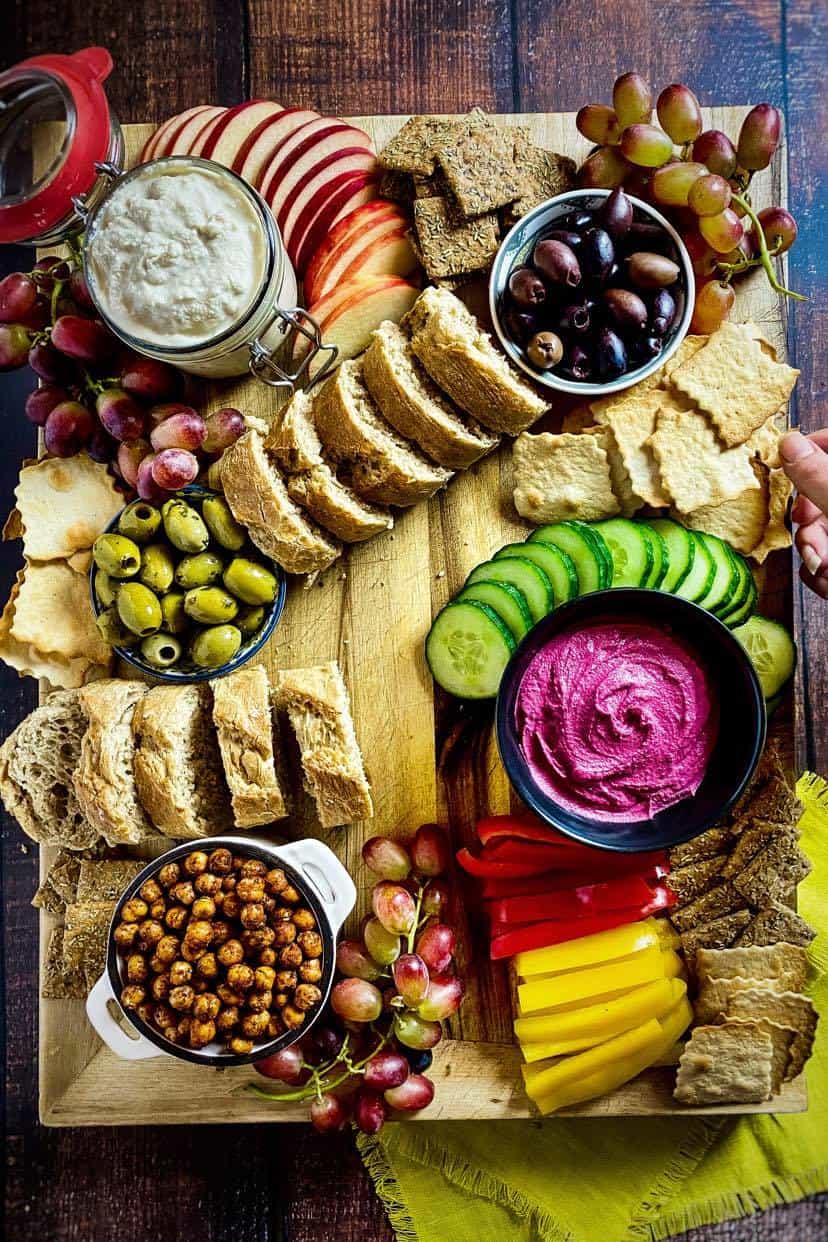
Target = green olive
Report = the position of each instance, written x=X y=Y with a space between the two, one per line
x=139 y=521
x=157 y=568
x=222 y=525
x=116 y=555
x=210 y=605
x=198 y=570
x=175 y=620
x=104 y=589
x=139 y=609
x=250 y=582
x=112 y=630
x=216 y=645
x=184 y=526
x=250 y=621
x=161 y=650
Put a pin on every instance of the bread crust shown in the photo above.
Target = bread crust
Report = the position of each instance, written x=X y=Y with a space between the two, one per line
x=104 y=780
x=241 y=714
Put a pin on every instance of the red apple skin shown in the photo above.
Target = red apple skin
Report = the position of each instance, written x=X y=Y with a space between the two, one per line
x=179 y=140
x=203 y=136
x=359 y=190
x=163 y=130
x=310 y=182
x=232 y=130
x=361 y=254
x=268 y=135
x=359 y=221
x=364 y=306
x=300 y=142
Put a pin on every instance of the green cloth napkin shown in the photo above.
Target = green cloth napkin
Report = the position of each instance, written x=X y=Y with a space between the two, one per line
x=576 y=1179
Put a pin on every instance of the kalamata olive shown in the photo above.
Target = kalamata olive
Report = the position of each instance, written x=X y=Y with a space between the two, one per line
x=625 y=310
x=646 y=235
x=567 y=236
x=576 y=319
x=616 y=214
x=610 y=355
x=582 y=220
x=651 y=271
x=578 y=364
x=519 y=324
x=613 y=275
x=545 y=350
x=663 y=312
x=526 y=287
x=597 y=253
x=645 y=348
x=557 y=262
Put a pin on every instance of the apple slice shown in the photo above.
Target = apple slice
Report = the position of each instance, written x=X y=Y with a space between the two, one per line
x=389 y=254
x=366 y=303
x=354 y=234
x=160 y=131
x=180 y=140
x=313 y=143
x=203 y=136
x=361 y=190
x=305 y=185
x=255 y=154
x=235 y=126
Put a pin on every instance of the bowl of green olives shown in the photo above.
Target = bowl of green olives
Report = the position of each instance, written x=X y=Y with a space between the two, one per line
x=178 y=589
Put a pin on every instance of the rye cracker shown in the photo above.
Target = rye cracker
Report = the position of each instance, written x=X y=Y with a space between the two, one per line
x=775 y=923
x=691 y=881
x=718 y=934
x=718 y=901
x=85 y=938
x=412 y=149
x=774 y=872
x=106 y=880
x=450 y=247
x=707 y=844
x=476 y=157
x=61 y=982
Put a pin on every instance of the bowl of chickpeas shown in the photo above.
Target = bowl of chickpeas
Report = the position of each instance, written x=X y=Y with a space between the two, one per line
x=222 y=951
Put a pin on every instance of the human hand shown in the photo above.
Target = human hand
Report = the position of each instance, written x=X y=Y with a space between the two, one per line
x=805 y=462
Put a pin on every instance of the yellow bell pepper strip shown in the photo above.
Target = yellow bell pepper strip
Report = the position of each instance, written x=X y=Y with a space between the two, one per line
x=543 y=1080
x=605 y=946
x=583 y=1028
x=591 y=983
x=614 y=1074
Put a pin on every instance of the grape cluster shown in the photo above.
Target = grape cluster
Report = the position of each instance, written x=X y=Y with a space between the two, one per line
x=397 y=984
x=697 y=177
x=95 y=394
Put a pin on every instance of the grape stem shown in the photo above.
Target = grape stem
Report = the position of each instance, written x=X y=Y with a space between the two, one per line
x=764 y=259
x=317 y=1084
x=415 y=926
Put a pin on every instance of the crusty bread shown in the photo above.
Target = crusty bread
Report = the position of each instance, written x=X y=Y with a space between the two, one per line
x=256 y=493
x=177 y=764
x=319 y=712
x=312 y=481
x=414 y=405
x=104 y=780
x=382 y=466
x=37 y=763
x=241 y=714
x=462 y=360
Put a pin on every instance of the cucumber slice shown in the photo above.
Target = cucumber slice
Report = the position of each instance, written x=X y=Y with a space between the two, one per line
x=468 y=648
x=557 y=566
x=507 y=601
x=661 y=557
x=631 y=551
x=589 y=556
x=681 y=552
x=740 y=615
x=742 y=592
x=699 y=579
x=725 y=575
x=529 y=579
x=771 y=650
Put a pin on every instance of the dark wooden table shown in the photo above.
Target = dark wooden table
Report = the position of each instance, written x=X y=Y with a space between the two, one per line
x=384 y=56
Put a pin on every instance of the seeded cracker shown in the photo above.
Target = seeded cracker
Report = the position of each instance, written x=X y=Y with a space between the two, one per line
x=48 y=899
x=412 y=149
x=705 y=845
x=776 y=533
x=719 y=901
x=397 y=187
x=728 y=1064
x=59 y=981
x=691 y=881
x=562 y=477
x=85 y=937
x=753 y=836
x=717 y=935
x=105 y=881
x=694 y=470
x=774 y=872
x=449 y=248
x=477 y=159
x=774 y=925
x=544 y=174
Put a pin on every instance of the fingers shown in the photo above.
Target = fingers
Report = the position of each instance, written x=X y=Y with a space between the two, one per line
x=806 y=464
x=804 y=511
x=812 y=545
x=818 y=585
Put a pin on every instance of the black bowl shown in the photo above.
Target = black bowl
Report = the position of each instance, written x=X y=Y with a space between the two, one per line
x=742 y=719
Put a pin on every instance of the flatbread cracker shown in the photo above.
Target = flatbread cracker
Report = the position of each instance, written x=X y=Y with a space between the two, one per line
x=715 y=997
x=53 y=612
x=786 y=965
x=59 y=981
x=774 y=924
x=411 y=150
x=691 y=881
x=735 y=382
x=449 y=247
x=477 y=160
x=790 y=1009
x=774 y=872
x=740 y=521
x=694 y=470
x=632 y=419
x=718 y=901
x=776 y=534
x=717 y=935
x=781 y=1037
x=688 y=349
x=558 y=477
x=578 y=419
x=64 y=504
x=764 y=443
x=620 y=483
x=29 y=662
x=727 y=1064
x=106 y=880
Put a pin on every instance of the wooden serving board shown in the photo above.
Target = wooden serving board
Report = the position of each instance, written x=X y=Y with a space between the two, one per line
x=428 y=757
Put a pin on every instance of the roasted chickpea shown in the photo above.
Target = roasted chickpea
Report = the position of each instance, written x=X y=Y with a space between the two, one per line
x=183 y=892
x=145 y=1011
x=134 y=910
x=228 y=1018
x=250 y=888
x=199 y=932
x=284 y=933
x=192 y=952
x=207 y=966
x=231 y=906
x=228 y=996
x=167 y=948
x=156 y=965
x=291 y=895
x=238 y=862
x=290 y=955
x=240 y=977
x=180 y=972
x=158 y=909
x=136 y=968
x=151 y=890
x=207 y=884
x=284 y=980
x=264 y=977
x=275 y=880
x=176 y=917
x=239 y=1046
x=254 y=1025
x=275 y=1026
x=220 y=861
x=206 y=1008
x=306 y=996
x=149 y=933
x=269 y=903
x=304 y=919
x=252 y=915
x=160 y=987
x=202 y=1033
x=252 y=866
x=200 y=985
x=281 y=999
x=196 y=862
x=125 y=935
x=282 y=914
x=261 y=938
x=164 y=1017
x=182 y=997
x=311 y=972
x=228 y=884
x=258 y=1002
x=267 y=957
x=203 y=908
x=168 y=875
x=132 y=996
x=222 y=931
x=230 y=953
x=292 y=1017
x=182 y=1031
x=310 y=943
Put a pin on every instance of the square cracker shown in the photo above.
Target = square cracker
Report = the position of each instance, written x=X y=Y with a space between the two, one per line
x=106 y=880
x=706 y=845
x=632 y=418
x=47 y=898
x=85 y=938
x=449 y=247
x=397 y=187
x=53 y=613
x=727 y=1064
x=718 y=901
x=716 y=997
x=628 y=502
x=59 y=981
x=718 y=934
x=776 y=534
x=694 y=469
x=735 y=382
x=784 y=965
x=411 y=150
x=774 y=872
x=774 y=924
x=688 y=349
x=696 y=878
x=781 y=1037
x=558 y=477
x=740 y=521
x=790 y=1009
x=477 y=159
x=28 y=661
x=64 y=504
x=544 y=174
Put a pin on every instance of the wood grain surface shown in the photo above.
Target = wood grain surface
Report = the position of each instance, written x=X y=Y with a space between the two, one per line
x=369 y=57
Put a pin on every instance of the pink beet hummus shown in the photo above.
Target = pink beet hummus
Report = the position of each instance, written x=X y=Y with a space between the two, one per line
x=616 y=721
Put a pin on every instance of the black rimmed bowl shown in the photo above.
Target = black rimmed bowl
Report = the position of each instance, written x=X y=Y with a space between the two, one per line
x=741 y=730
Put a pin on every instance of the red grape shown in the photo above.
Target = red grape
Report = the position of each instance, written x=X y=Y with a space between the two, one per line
x=356 y=1000
x=605 y=169
x=185 y=431
x=445 y=995
x=83 y=339
x=145 y=484
x=715 y=149
x=386 y=858
x=436 y=898
x=79 y=291
x=714 y=302
x=287 y=1065
x=671 y=184
x=353 y=961
x=430 y=850
x=386 y=1069
x=722 y=232
x=599 y=124
x=779 y=228
x=436 y=945
x=129 y=458
x=327 y=1042
x=394 y=907
x=51 y=365
x=370 y=1111
x=173 y=468
x=411 y=978
x=18 y=294
x=39 y=315
x=160 y=413
x=122 y=417
x=709 y=195
x=646 y=146
x=101 y=446
x=15 y=343
x=41 y=402
x=327 y=1113
x=679 y=113
x=49 y=270
x=415 y=1032
x=67 y=429
x=703 y=258
x=384 y=946
x=150 y=380
x=223 y=429
x=759 y=137
x=414 y=1094
x=632 y=99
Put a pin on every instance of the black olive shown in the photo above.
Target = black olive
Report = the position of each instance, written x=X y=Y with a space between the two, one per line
x=578 y=364
x=626 y=311
x=645 y=348
x=527 y=288
x=642 y=235
x=567 y=236
x=582 y=220
x=557 y=262
x=663 y=312
x=519 y=324
x=610 y=355
x=597 y=254
x=616 y=215
x=576 y=318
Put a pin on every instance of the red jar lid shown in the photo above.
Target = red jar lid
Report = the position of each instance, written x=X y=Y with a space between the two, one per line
x=54 y=125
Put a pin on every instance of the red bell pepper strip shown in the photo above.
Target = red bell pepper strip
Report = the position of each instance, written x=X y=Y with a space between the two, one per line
x=539 y=935
x=554 y=881
x=490 y=868
x=573 y=903
x=524 y=829
x=508 y=849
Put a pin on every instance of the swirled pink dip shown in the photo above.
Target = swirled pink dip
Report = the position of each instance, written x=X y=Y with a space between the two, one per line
x=617 y=720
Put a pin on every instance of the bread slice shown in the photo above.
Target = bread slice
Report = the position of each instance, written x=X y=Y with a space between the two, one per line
x=462 y=360
x=178 y=771
x=258 y=498
x=382 y=465
x=241 y=714
x=319 y=712
x=37 y=763
x=104 y=780
x=414 y=405
x=312 y=480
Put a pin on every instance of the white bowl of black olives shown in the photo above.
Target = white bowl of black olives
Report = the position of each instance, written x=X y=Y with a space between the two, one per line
x=591 y=292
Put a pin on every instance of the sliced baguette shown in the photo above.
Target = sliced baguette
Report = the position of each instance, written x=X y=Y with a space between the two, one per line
x=414 y=405
x=241 y=714
x=104 y=780
x=312 y=481
x=463 y=362
x=381 y=465
x=259 y=500
x=319 y=712
x=178 y=771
